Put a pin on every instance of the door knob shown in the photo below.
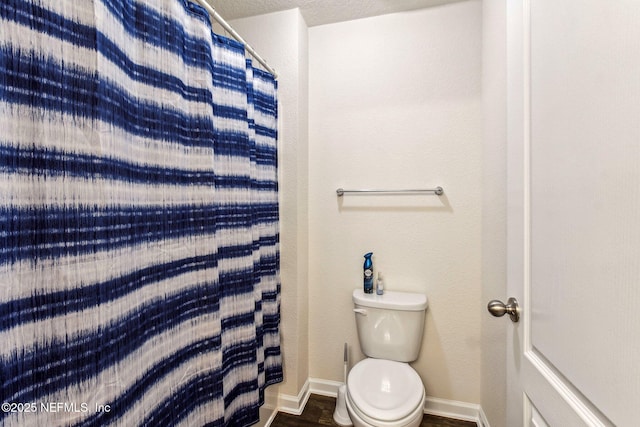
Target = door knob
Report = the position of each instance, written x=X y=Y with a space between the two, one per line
x=499 y=309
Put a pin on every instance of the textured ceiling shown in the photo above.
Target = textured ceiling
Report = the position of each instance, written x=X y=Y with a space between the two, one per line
x=319 y=12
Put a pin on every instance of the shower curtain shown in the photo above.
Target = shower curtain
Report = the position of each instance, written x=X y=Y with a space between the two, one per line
x=139 y=242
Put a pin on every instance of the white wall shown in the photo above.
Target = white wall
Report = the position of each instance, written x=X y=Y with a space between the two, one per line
x=494 y=234
x=395 y=102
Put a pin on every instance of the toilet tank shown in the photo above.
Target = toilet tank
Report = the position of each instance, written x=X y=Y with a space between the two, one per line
x=390 y=326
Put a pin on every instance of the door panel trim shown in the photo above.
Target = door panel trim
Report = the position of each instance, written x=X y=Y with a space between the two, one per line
x=577 y=411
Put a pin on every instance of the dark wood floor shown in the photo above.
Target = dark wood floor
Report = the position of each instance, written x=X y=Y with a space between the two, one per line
x=319 y=412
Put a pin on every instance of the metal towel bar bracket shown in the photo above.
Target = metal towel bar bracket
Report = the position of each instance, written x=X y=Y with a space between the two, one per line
x=437 y=191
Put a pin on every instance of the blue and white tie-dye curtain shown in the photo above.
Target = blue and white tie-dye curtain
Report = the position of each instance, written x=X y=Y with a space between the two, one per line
x=139 y=245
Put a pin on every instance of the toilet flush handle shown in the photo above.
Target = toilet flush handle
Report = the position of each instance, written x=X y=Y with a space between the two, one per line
x=360 y=311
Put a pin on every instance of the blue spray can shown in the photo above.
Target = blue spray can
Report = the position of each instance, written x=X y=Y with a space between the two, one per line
x=368 y=273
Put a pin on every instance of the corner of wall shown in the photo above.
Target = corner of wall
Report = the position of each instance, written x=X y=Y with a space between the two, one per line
x=494 y=350
x=281 y=39
x=303 y=191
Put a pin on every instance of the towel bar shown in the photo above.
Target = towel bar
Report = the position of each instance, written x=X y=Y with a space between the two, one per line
x=437 y=191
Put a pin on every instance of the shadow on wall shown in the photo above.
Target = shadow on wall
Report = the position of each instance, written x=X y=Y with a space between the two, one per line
x=433 y=355
x=406 y=202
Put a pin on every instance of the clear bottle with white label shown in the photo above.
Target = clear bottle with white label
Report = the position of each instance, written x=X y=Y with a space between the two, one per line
x=380 y=284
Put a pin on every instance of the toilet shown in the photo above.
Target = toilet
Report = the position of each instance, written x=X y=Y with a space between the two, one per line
x=383 y=390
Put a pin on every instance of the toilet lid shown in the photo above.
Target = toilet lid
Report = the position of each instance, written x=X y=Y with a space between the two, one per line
x=385 y=389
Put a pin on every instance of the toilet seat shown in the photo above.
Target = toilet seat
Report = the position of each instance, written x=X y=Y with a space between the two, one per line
x=385 y=392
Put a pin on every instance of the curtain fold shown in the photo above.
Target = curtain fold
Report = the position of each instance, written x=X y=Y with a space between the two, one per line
x=139 y=239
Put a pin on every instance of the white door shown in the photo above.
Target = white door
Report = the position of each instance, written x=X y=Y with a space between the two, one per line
x=574 y=212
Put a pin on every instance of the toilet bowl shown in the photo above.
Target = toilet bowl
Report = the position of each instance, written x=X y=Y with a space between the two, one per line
x=384 y=393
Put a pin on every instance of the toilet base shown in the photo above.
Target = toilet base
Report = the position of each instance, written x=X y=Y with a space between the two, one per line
x=412 y=420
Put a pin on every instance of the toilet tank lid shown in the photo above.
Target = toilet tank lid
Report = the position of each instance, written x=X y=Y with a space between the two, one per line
x=392 y=300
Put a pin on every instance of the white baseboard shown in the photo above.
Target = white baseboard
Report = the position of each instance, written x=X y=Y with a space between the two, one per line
x=269 y=410
x=324 y=387
x=484 y=422
x=433 y=405
x=267 y=415
x=294 y=404
x=454 y=409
